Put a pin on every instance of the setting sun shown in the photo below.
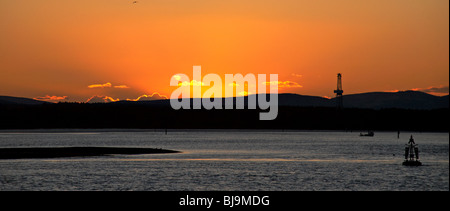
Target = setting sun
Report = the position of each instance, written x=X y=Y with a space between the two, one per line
x=224 y=103
x=76 y=49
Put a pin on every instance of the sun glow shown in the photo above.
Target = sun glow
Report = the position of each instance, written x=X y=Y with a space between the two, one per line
x=83 y=48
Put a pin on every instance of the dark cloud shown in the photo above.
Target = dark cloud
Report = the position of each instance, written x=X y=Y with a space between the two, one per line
x=439 y=90
x=51 y=98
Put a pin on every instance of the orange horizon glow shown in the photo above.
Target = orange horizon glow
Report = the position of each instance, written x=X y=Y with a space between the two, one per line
x=108 y=50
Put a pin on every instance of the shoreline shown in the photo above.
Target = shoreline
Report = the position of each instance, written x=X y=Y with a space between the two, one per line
x=60 y=152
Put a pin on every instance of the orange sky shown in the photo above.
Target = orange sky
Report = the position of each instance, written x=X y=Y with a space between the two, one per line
x=59 y=48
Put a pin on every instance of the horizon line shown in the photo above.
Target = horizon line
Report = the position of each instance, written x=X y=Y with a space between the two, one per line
x=287 y=93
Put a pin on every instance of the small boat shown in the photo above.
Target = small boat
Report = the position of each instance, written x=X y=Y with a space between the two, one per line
x=411 y=154
x=370 y=133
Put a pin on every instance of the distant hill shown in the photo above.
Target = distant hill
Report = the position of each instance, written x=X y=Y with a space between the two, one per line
x=7 y=100
x=295 y=112
x=402 y=100
x=303 y=101
x=371 y=100
x=294 y=100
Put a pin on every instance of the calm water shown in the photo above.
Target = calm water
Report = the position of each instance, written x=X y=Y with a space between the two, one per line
x=229 y=160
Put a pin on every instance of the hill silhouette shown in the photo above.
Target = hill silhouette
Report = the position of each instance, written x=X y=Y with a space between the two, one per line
x=8 y=100
x=374 y=111
x=402 y=100
x=371 y=100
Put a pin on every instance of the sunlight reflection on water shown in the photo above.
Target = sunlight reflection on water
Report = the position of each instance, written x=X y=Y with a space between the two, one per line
x=224 y=160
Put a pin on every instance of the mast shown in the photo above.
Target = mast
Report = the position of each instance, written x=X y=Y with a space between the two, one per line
x=339 y=92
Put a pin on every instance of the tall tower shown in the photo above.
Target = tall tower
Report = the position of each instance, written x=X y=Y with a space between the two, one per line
x=339 y=91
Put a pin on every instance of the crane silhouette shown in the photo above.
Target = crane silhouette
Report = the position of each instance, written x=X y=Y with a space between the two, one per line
x=339 y=91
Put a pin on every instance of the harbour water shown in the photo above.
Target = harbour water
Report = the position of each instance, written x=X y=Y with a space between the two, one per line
x=229 y=160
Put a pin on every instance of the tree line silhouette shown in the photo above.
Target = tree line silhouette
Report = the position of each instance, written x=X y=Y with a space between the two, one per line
x=145 y=116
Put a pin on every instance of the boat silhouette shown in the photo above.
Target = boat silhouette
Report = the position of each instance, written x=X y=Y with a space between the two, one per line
x=370 y=133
